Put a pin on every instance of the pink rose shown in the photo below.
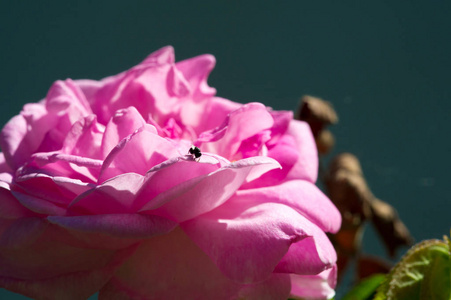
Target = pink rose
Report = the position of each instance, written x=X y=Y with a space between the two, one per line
x=99 y=193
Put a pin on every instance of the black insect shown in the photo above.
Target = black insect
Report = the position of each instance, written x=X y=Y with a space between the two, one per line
x=195 y=152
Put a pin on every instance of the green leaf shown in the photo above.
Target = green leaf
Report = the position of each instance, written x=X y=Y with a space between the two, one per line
x=423 y=273
x=366 y=288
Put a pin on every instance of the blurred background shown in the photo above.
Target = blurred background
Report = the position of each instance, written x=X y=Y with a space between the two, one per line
x=384 y=65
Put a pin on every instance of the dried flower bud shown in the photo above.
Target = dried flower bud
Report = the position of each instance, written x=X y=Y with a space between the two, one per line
x=317 y=112
x=350 y=193
x=389 y=226
x=346 y=161
x=324 y=141
x=348 y=189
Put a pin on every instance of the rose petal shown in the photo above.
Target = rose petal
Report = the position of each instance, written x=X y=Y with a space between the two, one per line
x=282 y=120
x=164 y=55
x=5 y=180
x=132 y=88
x=115 y=195
x=38 y=205
x=84 y=138
x=173 y=267
x=4 y=168
x=217 y=109
x=123 y=123
x=65 y=104
x=319 y=286
x=45 y=194
x=241 y=124
x=306 y=166
x=90 y=88
x=247 y=242
x=24 y=133
x=123 y=90
x=255 y=145
x=160 y=102
x=301 y=195
x=66 y=96
x=74 y=192
x=168 y=179
x=137 y=153
x=42 y=159
x=59 y=190
x=10 y=208
x=176 y=84
x=63 y=165
x=201 y=194
x=196 y=71
x=297 y=154
x=309 y=256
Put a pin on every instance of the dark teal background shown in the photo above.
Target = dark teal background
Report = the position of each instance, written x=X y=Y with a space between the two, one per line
x=384 y=65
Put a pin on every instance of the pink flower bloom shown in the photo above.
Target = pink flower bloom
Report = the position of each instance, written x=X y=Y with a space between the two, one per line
x=99 y=193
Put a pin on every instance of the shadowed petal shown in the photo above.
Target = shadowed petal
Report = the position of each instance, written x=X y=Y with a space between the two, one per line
x=46 y=256
x=173 y=267
x=120 y=225
x=10 y=207
x=74 y=285
x=4 y=168
x=22 y=232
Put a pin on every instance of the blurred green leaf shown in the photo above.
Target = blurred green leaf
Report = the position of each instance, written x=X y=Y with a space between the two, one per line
x=366 y=288
x=423 y=273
